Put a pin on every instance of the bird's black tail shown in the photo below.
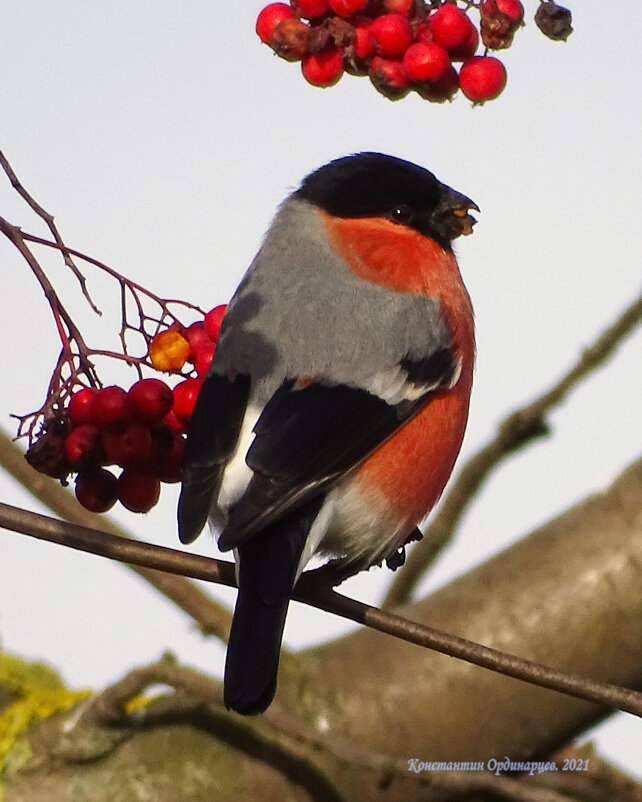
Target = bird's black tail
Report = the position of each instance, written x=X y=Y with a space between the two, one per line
x=268 y=563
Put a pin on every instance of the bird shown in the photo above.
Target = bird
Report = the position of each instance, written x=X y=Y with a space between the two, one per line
x=338 y=395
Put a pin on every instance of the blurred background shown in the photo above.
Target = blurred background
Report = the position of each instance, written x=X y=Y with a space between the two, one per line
x=163 y=136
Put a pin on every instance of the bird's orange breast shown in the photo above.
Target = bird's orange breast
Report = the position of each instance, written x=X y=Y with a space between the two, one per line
x=412 y=467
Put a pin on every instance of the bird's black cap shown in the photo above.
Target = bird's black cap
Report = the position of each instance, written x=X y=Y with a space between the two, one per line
x=378 y=185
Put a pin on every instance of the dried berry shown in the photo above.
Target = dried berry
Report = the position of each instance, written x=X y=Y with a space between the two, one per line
x=47 y=455
x=499 y=21
x=554 y=21
x=290 y=40
x=441 y=90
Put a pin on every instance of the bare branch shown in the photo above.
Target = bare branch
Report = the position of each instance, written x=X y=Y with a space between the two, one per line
x=163 y=303
x=74 y=354
x=211 y=617
x=49 y=220
x=517 y=430
x=309 y=591
x=115 y=547
x=75 y=358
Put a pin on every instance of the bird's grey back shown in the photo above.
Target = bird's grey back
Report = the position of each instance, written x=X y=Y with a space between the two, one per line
x=301 y=312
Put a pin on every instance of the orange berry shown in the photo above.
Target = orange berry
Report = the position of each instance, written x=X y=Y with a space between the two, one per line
x=169 y=350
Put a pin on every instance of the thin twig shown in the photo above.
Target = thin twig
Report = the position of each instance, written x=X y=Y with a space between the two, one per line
x=162 y=302
x=111 y=704
x=136 y=291
x=49 y=220
x=518 y=429
x=75 y=358
x=78 y=362
x=309 y=591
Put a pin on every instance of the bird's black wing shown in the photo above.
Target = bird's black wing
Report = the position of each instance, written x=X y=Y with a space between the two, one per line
x=306 y=437
x=212 y=438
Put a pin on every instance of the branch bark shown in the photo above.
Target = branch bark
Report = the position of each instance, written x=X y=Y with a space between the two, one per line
x=311 y=589
x=567 y=594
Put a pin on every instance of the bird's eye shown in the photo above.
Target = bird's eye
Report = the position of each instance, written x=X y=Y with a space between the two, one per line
x=401 y=214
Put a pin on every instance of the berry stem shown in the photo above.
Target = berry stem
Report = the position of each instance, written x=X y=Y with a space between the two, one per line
x=67 y=329
x=75 y=357
x=421 y=12
x=164 y=303
x=49 y=220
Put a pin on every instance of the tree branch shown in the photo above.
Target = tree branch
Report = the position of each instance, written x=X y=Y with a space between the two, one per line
x=76 y=357
x=211 y=617
x=49 y=220
x=516 y=431
x=303 y=742
x=565 y=595
x=309 y=591
x=69 y=333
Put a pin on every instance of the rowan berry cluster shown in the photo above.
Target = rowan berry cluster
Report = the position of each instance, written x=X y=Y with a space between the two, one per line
x=404 y=45
x=139 y=432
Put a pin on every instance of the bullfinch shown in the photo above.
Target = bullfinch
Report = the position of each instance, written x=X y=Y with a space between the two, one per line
x=337 y=398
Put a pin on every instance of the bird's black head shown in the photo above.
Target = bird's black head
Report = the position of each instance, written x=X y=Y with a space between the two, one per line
x=376 y=185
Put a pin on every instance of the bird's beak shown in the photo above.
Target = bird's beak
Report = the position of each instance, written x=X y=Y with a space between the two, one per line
x=453 y=213
x=466 y=220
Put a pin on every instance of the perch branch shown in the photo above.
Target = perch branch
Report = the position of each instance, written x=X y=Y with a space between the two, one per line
x=211 y=617
x=309 y=591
